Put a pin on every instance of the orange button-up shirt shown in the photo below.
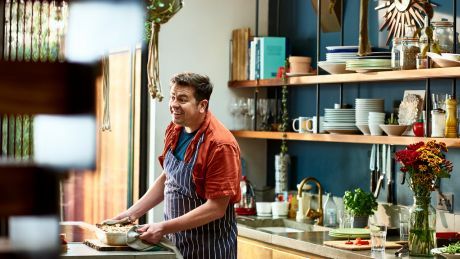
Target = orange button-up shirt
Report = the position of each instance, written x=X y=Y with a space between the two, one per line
x=217 y=170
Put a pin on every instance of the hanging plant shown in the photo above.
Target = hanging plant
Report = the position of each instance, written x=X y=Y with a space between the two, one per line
x=158 y=12
x=364 y=45
x=284 y=109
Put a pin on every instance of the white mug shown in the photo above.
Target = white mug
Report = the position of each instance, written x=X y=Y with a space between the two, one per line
x=302 y=124
x=313 y=127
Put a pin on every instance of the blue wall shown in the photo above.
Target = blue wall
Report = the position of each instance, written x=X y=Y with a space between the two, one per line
x=340 y=166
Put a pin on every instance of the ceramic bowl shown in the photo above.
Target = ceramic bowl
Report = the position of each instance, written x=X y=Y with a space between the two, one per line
x=333 y=68
x=441 y=61
x=264 y=208
x=393 y=130
x=375 y=129
x=451 y=56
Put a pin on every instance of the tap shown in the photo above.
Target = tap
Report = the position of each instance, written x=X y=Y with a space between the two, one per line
x=313 y=214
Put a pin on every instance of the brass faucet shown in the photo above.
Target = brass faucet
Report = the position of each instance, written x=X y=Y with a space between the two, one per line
x=313 y=214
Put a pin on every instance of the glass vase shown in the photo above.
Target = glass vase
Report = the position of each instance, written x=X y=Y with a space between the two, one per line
x=422 y=226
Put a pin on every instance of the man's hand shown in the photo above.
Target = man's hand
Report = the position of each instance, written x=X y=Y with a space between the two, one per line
x=151 y=233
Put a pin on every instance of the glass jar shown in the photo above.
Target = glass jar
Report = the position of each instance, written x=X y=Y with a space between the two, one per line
x=443 y=35
x=438 y=123
x=409 y=50
x=396 y=54
x=422 y=226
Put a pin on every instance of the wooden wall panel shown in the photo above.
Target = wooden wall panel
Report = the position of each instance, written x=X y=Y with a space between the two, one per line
x=103 y=193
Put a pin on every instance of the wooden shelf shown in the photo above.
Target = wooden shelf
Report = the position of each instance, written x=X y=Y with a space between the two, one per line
x=401 y=75
x=357 y=139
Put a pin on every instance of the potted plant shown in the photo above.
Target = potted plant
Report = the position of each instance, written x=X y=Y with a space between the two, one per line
x=360 y=205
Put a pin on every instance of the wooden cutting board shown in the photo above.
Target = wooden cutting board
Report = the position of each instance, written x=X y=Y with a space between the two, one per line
x=341 y=244
x=98 y=245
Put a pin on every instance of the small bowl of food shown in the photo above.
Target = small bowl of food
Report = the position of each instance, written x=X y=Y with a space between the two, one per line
x=114 y=235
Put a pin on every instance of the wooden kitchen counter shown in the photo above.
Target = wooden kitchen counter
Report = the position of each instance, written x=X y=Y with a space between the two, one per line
x=78 y=250
x=311 y=242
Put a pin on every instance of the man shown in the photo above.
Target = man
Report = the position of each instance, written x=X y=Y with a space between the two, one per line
x=200 y=179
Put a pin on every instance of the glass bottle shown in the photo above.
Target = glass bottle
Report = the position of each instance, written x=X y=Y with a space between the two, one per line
x=396 y=54
x=330 y=212
x=451 y=118
x=443 y=35
x=410 y=49
x=422 y=226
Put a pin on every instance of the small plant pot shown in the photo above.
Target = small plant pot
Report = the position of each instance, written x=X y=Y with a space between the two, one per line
x=360 y=221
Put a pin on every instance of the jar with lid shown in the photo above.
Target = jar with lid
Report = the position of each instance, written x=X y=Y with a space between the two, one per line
x=409 y=50
x=443 y=35
x=438 y=123
x=396 y=54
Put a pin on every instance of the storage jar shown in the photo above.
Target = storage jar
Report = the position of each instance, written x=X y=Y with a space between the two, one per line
x=410 y=49
x=396 y=54
x=443 y=35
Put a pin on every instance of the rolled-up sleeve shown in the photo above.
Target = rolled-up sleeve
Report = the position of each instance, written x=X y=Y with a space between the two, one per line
x=223 y=173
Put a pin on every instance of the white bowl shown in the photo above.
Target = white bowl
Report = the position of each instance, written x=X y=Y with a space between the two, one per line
x=264 y=208
x=280 y=208
x=333 y=68
x=393 y=130
x=440 y=61
x=451 y=56
x=375 y=129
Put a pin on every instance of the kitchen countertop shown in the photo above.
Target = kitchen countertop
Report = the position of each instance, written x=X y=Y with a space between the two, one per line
x=312 y=242
x=79 y=250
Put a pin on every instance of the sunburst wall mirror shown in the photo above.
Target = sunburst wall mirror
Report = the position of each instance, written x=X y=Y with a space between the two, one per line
x=400 y=13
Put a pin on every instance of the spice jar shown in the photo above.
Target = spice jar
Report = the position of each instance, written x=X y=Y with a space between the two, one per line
x=396 y=54
x=409 y=50
x=443 y=35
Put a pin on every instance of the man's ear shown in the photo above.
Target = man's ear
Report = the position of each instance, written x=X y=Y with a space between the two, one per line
x=203 y=105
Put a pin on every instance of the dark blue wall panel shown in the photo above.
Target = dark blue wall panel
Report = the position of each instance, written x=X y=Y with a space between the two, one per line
x=340 y=166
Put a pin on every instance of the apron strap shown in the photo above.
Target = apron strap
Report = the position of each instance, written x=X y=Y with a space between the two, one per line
x=197 y=149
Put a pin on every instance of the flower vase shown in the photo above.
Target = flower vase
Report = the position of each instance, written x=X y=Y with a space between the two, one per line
x=422 y=226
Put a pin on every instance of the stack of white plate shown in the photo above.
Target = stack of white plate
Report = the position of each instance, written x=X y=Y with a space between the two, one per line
x=368 y=65
x=363 y=107
x=340 y=121
x=336 y=57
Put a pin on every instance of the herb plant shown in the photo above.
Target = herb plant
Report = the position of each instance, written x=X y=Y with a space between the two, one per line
x=359 y=203
x=452 y=248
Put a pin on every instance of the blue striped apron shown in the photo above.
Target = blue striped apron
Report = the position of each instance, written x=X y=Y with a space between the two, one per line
x=216 y=239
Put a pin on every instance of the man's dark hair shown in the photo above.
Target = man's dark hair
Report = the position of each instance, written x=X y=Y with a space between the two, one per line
x=203 y=87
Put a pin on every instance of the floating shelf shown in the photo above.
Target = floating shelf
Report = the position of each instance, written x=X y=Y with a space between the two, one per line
x=357 y=139
x=400 y=75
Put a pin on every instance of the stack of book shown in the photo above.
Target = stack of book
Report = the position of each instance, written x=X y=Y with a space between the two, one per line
x=256 y=58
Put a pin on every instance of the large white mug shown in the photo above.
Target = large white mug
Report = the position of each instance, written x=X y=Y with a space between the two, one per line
x=312 y=125
x=302 y=124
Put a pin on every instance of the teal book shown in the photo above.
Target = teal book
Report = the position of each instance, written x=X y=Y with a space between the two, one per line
x=272 y=56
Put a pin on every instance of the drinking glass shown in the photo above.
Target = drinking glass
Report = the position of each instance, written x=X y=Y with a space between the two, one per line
x=404 y=225
x=345 y=219
x=250 y=113
x=235 y=111
x=378 y=236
